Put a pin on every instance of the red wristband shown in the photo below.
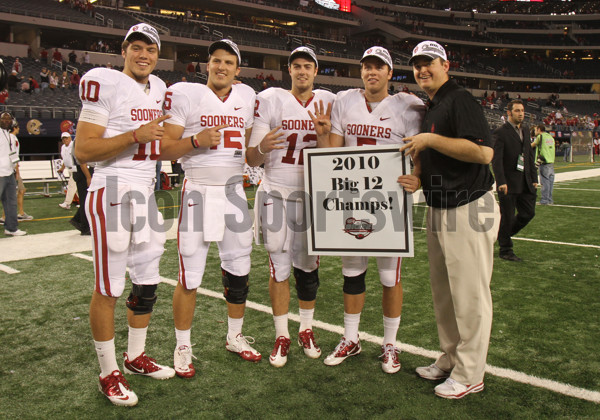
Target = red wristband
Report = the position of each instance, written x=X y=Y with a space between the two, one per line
x=194 y=141
x=135 y=139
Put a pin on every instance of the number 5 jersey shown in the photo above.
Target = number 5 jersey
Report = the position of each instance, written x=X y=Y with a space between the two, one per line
x=196 y=107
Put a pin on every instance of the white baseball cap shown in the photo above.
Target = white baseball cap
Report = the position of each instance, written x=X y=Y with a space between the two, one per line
x=226 y=44
x=429 y=49
x=146 y=30
x=65 y=134
x=303 y=51
x=379 y=52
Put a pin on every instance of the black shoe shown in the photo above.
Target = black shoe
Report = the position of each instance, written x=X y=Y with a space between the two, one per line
x=510 y=257
x=86 y=233
x=75 y=224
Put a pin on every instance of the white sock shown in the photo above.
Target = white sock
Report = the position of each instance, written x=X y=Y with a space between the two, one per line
x=106 y=356
x=306 y=318
x=136 y=342
x=234 y=326
x=183 y=337
x=351 y=323
x=390 y=330
x=281 y=326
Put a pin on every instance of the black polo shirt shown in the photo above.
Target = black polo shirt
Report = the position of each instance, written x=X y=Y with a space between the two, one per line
x=448 y=182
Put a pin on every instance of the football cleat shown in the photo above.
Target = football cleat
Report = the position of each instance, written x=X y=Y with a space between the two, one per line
x=455 y=390
x=144 y=365
x=182 y=362
x=116 y=389
x=345 y=349
x=241 y=345
x=278 y=357
x=389 y=358
x=306 y=339
x=432 y=372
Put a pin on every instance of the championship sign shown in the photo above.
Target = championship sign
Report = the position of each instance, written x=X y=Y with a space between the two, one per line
x=356 y=207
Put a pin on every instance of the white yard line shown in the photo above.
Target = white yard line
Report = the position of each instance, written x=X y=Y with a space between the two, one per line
x=8 y=270
x=554 y=386
x=576 y=189
x=575 y=207
x=542 y=241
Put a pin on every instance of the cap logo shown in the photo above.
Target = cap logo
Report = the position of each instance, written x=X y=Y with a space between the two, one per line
x=432 y=49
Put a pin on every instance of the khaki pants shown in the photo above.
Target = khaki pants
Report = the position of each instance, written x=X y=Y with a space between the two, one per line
x=461 y=256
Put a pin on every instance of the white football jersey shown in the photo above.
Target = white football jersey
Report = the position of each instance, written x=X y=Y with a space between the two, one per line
x=395 y=118
x=196 y=107
x=123 y=101
x=278 y=107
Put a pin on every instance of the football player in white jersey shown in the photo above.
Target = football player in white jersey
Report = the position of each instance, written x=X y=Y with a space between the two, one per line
x=210 y=126
x=282 y=128
x=119 y=128
x=370 y=116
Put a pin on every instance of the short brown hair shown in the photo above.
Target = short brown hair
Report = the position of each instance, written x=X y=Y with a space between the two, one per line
x=512 y=103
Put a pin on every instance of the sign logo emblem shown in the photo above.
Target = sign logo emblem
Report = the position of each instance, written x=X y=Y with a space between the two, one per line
x=360 y=229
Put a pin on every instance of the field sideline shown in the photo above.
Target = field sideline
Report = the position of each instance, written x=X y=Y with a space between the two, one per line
x=546 y=356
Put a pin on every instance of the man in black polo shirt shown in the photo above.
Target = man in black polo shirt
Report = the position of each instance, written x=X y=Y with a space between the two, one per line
x=455 y=149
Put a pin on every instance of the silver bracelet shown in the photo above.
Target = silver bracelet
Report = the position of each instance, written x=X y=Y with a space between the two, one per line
x=260 y=151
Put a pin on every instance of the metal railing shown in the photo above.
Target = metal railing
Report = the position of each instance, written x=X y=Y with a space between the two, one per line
x=27 y=111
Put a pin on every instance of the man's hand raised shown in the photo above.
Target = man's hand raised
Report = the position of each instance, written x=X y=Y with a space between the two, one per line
x=321 y=119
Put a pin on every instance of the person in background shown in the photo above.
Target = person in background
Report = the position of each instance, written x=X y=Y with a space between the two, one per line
x=44 y=78
x=66 y=152
x=21 y=215
x=516 y=177
x=17 y=66
x=75 y=78
x=9 y=156
x=545 y=154
x=53 y=79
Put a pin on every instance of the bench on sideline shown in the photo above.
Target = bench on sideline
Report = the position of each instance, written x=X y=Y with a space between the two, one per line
x=44 y=171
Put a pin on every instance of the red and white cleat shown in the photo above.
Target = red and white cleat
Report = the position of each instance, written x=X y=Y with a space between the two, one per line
x=116 y=389
x=182 y=362
x=144 y=365
x=306 y=339
x=278 y=357
x=345 y=349
x=389 y=358
x=241 y=345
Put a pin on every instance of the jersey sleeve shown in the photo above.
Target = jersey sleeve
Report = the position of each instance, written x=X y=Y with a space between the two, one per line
x=250 y=96
x=97 y=92
x=262 y=110
x=177 y=103
x=336 y=115
x=413 y=114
